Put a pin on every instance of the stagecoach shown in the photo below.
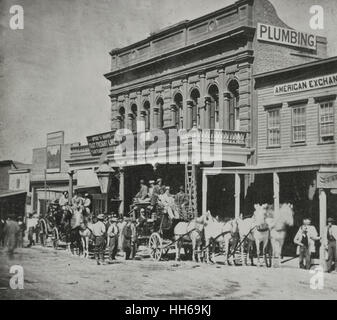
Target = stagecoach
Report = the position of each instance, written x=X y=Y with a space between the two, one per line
x=156 y=231
x=53 y=225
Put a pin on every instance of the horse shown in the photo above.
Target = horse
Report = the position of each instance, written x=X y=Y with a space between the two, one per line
x=254 y=229
x=277 y=222
x=220 y=232
x=230 y=232
x=190 y=231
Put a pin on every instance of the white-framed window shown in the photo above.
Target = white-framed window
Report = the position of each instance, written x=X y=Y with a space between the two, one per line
x=326 y=121
x=298 y=124
x=274 y=127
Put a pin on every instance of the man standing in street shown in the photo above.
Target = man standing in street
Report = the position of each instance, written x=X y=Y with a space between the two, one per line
x=113 y=233
x=330 y=245
x=126 y=236
x=11 y=231
x=305 y=239
x=134 y=238
x=31 y=224
x=99 y=231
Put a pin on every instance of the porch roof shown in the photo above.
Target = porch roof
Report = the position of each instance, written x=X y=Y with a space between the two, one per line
x=260 y=169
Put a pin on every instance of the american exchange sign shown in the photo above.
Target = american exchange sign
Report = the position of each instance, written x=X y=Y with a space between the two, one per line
x=308 y=84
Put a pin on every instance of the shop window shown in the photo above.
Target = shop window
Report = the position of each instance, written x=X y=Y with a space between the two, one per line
x=17 y=183
x=134 y=118
x=178 y=115
x=147 y=111
x=326 y=122
x=274 y=128
x=298 y=124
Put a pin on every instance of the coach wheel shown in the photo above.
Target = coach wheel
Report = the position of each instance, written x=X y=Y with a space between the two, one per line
x=155 y=245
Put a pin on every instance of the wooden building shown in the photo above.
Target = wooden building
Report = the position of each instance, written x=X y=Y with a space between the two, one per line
x=296 y=144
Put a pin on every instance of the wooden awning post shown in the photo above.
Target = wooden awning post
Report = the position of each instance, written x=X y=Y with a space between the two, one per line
x=237 y=195
x=121 y=191
x=71 y=188
x=204 y=192
x=322 y=224
x=276 y=188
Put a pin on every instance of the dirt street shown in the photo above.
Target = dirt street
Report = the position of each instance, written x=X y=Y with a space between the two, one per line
x=50 y=274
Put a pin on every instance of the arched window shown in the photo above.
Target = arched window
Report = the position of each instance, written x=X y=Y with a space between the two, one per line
x=213 y=92
x=121 y=117
x=178 y=114
x=234 y=120
x=147 y=111
x=160 y=113
x=195 y=95
x=133 y=117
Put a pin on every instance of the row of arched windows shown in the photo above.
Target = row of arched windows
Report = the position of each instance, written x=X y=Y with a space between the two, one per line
x=194 y=119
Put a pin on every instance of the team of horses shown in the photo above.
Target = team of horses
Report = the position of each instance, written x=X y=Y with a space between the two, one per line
x=266 y=225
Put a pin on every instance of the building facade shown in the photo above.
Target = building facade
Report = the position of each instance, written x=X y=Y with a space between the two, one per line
x=194 y=81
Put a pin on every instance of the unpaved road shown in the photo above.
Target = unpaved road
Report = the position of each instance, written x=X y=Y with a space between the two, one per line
x=50 y=274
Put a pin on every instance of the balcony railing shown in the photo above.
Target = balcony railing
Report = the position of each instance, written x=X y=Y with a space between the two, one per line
x=214 y=136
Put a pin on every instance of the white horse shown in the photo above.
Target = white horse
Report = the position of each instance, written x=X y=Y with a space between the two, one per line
x=217 y=231
x=277 y=222
x=230 y=230
x=254 y=229
x=190 y=231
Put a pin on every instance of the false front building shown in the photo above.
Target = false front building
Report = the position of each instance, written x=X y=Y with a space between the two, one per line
x=190 y=88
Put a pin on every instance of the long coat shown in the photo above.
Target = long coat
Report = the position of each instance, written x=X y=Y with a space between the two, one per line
x=11 y=231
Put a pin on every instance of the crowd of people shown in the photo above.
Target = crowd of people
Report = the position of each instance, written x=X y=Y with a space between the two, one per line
x=112 y=232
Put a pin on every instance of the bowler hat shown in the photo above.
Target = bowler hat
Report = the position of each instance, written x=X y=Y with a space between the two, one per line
x=100 y=216
x=330 y=219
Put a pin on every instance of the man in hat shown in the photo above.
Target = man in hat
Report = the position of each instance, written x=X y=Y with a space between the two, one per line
x=126 y=235
x=181 y=200
x=99 y=231
x=63 y=201
x=151 y=188
x=143 y=192
x=330 y=239
x=31 y=224
x=11 y=232
x=305 y=239
x=167 y=201
x=112 y=238
x=134 y=238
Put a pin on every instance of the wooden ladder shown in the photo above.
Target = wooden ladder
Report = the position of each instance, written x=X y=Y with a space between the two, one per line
x=191 y=187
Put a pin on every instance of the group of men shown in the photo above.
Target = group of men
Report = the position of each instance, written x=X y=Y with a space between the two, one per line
x=158 y=193
x=110 y=232
x=11 y=233
x=305 y=240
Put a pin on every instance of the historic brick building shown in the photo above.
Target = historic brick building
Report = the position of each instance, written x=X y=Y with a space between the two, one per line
x=198 y=75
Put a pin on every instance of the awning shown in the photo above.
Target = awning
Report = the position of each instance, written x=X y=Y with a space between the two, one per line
x=261 y=169
x=9 y=193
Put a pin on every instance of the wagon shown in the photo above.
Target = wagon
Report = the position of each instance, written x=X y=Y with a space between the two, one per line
x=157 y=231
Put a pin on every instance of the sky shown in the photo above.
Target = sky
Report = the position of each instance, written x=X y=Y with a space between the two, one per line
x=51 y=72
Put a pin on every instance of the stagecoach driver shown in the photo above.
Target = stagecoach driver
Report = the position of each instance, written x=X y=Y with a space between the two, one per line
x=330 y=239
x=305 y=239
x=99 y=231
x=63 y=201
x=143 y=193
